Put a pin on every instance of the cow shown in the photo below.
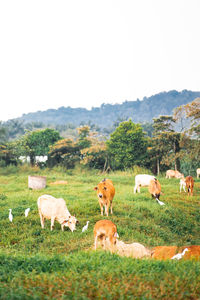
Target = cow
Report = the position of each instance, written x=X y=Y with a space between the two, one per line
x=175 y=174
x=189 y=185
x=155 y=188
x=55 y=209
x=182 y=184
x=135 y=250
x=198 y=172
x=168 y=252
x=105 y=229
x=142 y=180
x=105 y=192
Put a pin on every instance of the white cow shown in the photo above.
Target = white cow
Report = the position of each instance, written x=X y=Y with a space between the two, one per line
x=198 y=172
x=142 y=180
x=55 y=209
x=182 y=184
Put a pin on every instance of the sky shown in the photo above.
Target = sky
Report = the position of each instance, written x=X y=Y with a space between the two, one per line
x=82 y=53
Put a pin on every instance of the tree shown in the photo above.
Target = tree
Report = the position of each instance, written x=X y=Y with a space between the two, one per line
x=64 y=152
x=38 y=142
x=127 y=145
x=96 y=155
x=83 y=140
x=165 y=143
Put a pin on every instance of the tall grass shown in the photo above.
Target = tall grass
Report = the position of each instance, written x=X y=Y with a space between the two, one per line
x=36 y=263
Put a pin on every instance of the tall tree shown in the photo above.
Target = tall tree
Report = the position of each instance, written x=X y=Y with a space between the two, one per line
x=127 y=145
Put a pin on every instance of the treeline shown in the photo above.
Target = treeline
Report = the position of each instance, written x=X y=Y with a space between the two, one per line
x=105 y=117
x=127 y=146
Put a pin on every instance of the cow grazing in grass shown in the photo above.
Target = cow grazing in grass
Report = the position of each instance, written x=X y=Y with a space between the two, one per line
x=155 y=188
x=142 y=180
x=198 y=172
x=105 y=192
x=105 y=229
x=55 y=209
x=189 y=184
x=173 y=174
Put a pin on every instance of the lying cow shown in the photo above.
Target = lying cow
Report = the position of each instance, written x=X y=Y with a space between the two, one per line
x=142 y=180
x=135 y=250
x=173 y=174
x=55 y=209
x=105 y=192
x=105 y=229
x=198 y=172
x=189 y=184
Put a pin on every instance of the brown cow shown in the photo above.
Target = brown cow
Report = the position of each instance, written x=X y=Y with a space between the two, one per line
x=105 y=192
x=189 y=184
x=105 y=229
x=175 y=174
x=155 y=188
x=168 y=252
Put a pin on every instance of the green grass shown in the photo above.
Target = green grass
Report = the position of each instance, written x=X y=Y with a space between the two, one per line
x=40 y=264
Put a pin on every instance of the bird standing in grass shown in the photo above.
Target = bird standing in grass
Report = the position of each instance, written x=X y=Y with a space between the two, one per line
x=85 y=227
x=180 y=255
x=10 y=215
x=160 y=202
x=26 y=212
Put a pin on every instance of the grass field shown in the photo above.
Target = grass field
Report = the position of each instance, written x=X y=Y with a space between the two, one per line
x=40 y=264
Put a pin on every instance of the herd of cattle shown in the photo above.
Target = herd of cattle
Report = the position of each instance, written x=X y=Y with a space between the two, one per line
x=105 y=230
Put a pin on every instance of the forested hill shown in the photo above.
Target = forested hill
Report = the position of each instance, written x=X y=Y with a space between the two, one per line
x=104 y=116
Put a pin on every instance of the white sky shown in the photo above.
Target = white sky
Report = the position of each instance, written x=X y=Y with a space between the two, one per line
x=82 y=53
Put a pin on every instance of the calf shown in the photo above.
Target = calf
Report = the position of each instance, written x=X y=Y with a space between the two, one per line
x=155 y=188
x=198 y=172
x=105 y=192
x=182 y=184
x=55 y=209
x=172 y=173
x=189 y=184
x=142 y=180
x=105 y=229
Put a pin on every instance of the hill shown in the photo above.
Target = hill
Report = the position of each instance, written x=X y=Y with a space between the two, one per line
x=140 y=111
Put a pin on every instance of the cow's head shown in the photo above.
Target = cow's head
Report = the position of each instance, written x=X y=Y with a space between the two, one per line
x=71 y=223
x=101 y=189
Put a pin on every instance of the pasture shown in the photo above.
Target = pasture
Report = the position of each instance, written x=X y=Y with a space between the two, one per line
x=36 y=263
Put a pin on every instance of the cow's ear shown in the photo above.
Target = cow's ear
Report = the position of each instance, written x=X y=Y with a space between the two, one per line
x=95 y=188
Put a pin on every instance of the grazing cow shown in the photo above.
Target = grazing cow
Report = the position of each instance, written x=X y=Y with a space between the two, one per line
x=105 y=192
x=55 y=209
x=189 y=184
x=182 y=184
x=198 y=172
x=175 y=174
x=105 y=229
x=142 y=180
x=155 y=188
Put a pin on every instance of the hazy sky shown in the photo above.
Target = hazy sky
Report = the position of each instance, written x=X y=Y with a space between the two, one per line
x=82 y=53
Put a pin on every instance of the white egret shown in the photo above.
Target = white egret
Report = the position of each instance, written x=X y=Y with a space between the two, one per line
x=10 y=215
x=180 y=255
x=27 y=211
x=85 y=227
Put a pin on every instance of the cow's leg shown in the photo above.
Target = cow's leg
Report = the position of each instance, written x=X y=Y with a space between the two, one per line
x=41 y=219
x=101 y=206
x=135 y=189
x=138 y=189
x=107 y=208
x=52 y=222
x=111 y=207
x=95 y=242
